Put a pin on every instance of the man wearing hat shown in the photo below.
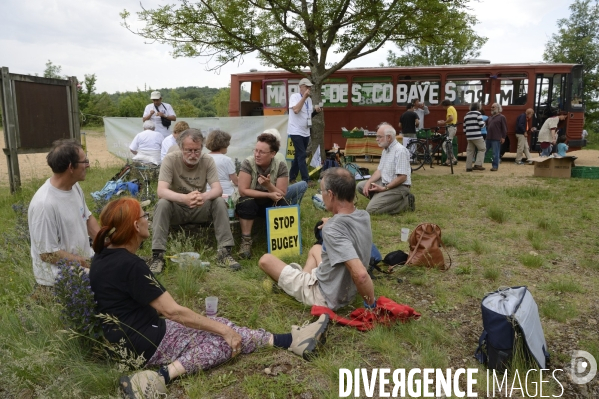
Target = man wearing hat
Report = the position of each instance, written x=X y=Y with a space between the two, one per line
x=301 y=112
x=162 y=114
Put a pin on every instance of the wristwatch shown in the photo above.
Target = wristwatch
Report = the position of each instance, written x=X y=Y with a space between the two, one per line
x=386 y=188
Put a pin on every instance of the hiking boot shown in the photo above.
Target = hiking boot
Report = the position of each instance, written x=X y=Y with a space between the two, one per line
x=305 y=339
x=225 y=259
x=157 y=263
x=412 y=202
x=245 y=248
x=142 y=385
x=478 y=167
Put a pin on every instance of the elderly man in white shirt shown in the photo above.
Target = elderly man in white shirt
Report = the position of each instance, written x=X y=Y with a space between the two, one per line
x=389 y=186
x=146 y=145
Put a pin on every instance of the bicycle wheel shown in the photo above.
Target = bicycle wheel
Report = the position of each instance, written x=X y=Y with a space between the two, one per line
x=449 y=151
x=418 y=153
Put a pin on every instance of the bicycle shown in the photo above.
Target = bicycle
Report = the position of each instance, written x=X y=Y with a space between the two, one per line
x=422 y=151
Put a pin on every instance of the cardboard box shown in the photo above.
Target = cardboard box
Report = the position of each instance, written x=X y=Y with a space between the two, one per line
x=553 y=167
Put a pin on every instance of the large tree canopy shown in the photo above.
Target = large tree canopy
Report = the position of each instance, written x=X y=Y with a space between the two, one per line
x=453 y=48
x=577 y=41
x=322 y=35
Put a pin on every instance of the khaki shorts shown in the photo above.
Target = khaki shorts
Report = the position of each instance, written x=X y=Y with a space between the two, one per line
x=302 y=286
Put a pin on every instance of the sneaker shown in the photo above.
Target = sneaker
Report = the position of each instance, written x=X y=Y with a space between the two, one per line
x=493 y=170
x=305 y=339
x=412 y=202
x=225 y=259
x=519 y=163
x=530 y=163
x=157 y=263
x=142 y=385
x=478 y=167
x=245 y=248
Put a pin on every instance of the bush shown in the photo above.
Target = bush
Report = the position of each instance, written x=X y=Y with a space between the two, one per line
x=73 y=291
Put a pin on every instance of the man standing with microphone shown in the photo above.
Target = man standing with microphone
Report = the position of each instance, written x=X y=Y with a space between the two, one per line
x=301 y=111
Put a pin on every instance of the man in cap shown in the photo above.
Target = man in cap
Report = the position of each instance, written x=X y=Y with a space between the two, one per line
x=301 y=111
x=162 y=114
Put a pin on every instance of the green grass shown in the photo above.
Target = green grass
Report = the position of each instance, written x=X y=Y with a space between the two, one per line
x=489 y=227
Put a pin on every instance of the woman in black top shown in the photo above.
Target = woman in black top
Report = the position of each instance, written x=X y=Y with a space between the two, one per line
x=185 y=341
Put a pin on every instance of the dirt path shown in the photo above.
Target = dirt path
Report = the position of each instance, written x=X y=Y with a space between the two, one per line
x=34 y=165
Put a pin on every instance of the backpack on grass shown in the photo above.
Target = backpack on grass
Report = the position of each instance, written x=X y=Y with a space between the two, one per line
x=425 y=247
x=506 y=313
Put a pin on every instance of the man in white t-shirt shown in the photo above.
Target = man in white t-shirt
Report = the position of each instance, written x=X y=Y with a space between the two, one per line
x=146 y=145
x=60 y=223
x=421 y=109
x=157 y=111
x=301 y=112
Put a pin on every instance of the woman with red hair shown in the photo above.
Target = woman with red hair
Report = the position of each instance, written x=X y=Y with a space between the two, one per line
x=184 y=341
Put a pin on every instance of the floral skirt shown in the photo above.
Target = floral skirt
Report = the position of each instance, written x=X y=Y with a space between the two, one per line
x=197 y=349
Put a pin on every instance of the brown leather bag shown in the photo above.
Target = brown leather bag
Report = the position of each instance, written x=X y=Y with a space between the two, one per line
x=425 y=247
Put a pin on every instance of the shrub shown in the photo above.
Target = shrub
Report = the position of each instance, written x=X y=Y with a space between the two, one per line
x=73 y=291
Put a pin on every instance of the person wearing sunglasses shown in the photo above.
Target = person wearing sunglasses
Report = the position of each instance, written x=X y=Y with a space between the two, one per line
x=263 y=182
x=60 y=223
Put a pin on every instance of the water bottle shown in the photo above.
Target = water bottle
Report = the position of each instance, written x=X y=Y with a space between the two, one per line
x=231 y=209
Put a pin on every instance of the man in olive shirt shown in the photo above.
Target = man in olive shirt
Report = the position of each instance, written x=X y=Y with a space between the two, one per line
x=183 y=199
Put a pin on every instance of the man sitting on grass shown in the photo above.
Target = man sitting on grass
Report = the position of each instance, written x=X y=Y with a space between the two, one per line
x=335 y=270
x=60 y=223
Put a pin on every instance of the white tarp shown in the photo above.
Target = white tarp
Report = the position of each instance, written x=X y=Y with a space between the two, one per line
x=243 y=130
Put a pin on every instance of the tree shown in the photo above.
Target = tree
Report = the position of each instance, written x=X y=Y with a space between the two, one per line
x=53 y=71
x=577 y=41
x=294 y=34
x=221 y=102
x=452 y=49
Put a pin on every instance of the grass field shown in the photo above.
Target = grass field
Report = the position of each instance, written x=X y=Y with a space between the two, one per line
x=542 y=233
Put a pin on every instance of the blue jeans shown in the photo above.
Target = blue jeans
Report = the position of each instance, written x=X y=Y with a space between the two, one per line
x=495 y=145
x=545 y=152
x=295 y=192
x=300 y=144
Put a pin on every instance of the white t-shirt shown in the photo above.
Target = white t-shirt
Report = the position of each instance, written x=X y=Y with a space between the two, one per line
x=168 y=111
x=148 y=145
x=57 y=221
x=298 y=123
x=421 y=113
x=166 y=144
x=224 y=167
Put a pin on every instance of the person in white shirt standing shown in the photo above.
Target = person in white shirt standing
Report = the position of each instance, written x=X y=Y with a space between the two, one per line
x=301 y=111
x=421 y=110
x=146 y=145
x=162 y=114
x=60 y=223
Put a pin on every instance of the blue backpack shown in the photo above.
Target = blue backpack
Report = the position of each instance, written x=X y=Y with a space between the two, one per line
x=506 y=313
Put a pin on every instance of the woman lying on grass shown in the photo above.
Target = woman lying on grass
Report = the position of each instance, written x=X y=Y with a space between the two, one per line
x=128 y=293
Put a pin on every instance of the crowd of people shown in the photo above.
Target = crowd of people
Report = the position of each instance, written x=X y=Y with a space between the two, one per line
x=190 y=188
x=488 y=133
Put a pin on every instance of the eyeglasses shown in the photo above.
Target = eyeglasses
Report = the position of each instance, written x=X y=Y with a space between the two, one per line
x=258 y=152
x=86 y=161
x=146 y=216
x=195 y=152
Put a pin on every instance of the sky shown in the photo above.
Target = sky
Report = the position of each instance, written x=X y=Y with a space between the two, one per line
x=85 y=37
